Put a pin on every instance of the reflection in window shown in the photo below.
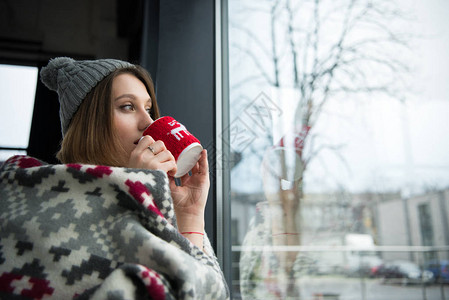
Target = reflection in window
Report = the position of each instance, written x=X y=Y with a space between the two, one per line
x=18 y=88
x=426 y=228
x=339 y=119
x=425 y=222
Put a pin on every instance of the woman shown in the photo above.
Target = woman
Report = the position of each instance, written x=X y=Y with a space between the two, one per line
x=104 y=223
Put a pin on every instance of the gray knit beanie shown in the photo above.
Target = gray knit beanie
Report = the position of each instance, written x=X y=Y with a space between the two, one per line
x=73 y=80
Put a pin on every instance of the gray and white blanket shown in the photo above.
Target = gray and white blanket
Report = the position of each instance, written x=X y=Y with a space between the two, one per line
x=96 y=232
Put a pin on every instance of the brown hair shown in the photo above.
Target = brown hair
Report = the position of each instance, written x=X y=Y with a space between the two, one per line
x=90 y=138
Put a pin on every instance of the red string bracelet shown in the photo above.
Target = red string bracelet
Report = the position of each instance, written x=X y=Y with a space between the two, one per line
x=192 y=232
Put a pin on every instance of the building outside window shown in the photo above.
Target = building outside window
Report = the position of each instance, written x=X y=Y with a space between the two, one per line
x=426 y=229
x=338 y=141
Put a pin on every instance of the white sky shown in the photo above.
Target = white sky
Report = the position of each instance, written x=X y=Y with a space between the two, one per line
x=387 y=145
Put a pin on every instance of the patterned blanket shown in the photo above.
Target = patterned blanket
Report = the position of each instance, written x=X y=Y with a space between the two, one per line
x=96 y=232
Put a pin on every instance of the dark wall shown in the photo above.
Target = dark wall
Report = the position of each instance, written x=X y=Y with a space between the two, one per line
x=45 y=133
x=185 y=75
x=34 y=31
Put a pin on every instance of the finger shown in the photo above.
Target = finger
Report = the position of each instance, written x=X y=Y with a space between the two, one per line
x=150 y=147
x=203 y=164
x=169 y=167
x=144 y=142
x=172 y=169
x=195 y=168
x=157 y=147
x=166 y=162
x=172 y=183
x=165 y=156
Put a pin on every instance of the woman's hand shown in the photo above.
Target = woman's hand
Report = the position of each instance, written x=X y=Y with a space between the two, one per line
x=190 y=199
x=152 y=155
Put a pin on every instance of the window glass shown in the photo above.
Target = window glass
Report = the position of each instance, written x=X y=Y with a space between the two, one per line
x=338 y=134
x=5 y=154
x=18 y=88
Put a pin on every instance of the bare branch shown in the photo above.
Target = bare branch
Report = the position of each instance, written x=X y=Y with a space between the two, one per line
x=292 y=45
x=333 y=148
x=316 y=108
x=254 y=38
x=256 y=62
x=274 y=12
x=246 y=80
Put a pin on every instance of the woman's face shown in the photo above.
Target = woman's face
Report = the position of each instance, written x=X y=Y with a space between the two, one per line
x=132 y=106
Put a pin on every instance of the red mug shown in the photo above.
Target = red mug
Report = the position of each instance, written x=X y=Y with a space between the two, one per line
x=182 y=144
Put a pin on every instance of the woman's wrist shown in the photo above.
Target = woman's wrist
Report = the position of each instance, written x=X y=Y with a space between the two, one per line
x=195 y=237
x=192 y=228
x=190 y=223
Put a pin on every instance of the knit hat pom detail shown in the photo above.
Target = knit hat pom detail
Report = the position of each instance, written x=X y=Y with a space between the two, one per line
x=49 y=74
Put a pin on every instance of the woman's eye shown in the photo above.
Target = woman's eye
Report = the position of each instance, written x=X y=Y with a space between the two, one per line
x=149 y=111
x=127 y=107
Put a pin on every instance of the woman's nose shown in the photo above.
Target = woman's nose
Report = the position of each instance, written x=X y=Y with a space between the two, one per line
x=145 y=120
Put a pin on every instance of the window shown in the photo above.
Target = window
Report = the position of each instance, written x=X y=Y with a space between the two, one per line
x=338 y=117
x=18 y=88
